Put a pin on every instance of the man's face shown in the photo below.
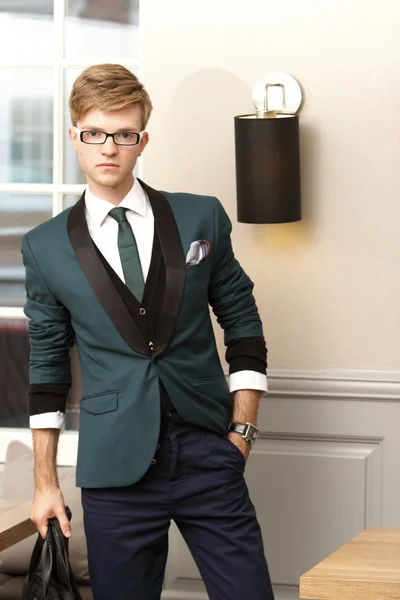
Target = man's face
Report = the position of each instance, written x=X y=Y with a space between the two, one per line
x=109 y=165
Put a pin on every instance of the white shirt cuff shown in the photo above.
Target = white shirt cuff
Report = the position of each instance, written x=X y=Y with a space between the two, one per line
x=248 y=380
x=51 y=420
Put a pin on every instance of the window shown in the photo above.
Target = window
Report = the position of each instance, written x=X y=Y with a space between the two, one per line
x=32 y=140
x=39 y=175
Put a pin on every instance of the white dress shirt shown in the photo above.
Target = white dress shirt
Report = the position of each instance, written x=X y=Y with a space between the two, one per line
x=103 y=230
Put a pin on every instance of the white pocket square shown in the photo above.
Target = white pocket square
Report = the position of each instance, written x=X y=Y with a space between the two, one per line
x=198 y=251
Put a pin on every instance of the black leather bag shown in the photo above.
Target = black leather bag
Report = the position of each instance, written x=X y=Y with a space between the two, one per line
x=50 y=576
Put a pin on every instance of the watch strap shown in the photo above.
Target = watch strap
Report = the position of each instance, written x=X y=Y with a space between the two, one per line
x=244 y=429
x=238 y=428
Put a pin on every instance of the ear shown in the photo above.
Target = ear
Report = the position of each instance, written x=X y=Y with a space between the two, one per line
x=74 y=139
x=143 y=142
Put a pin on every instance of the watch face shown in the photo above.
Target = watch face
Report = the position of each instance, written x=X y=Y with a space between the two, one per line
x=252 y=433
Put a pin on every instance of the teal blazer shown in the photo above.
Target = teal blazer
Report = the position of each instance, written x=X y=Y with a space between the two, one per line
x=71 y=299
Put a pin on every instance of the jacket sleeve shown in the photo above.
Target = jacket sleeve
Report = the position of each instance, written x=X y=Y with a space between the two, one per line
x=231 y=297
x=51 y=337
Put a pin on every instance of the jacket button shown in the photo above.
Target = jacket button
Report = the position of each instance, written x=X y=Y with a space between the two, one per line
x=153 y=462
x=142 y=311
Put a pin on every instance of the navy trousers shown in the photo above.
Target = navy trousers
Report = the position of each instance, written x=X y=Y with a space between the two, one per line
x=198 y=482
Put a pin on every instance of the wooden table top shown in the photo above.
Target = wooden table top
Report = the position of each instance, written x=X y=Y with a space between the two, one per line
x=366 y=568
x=15 y=524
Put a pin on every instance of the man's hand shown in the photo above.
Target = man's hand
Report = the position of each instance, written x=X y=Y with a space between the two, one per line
x=47 y=504
x=240 y=443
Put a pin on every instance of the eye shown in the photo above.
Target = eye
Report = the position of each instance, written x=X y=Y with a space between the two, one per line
x=126 y=135
x=94 y=134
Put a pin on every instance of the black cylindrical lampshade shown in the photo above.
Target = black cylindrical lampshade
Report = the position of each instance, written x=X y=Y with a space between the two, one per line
x=268 y=169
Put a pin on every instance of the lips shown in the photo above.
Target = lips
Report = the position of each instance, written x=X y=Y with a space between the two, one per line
x=108 y=165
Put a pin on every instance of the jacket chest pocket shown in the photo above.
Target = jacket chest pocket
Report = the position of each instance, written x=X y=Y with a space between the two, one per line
x=197 y=275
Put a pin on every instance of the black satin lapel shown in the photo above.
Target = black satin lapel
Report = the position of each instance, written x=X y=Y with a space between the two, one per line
x=155 y=287
x=175 y=267
x=151 y=286
x=100 y=281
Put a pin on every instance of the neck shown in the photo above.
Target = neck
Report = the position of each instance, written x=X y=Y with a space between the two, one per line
x=114 y=195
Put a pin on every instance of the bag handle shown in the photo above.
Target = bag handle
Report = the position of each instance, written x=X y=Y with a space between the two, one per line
x=55 y=542
x=61 y=551
x=61 y=548
x=36 y=556
x=47 y=562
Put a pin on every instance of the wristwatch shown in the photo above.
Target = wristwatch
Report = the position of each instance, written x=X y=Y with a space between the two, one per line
x=248 y=431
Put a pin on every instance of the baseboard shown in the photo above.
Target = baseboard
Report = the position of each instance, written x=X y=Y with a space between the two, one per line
x=280 y=592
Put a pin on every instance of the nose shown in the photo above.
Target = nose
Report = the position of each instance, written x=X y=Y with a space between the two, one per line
x=109 y=148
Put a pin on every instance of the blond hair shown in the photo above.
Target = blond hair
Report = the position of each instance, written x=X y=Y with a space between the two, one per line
x=107 y=87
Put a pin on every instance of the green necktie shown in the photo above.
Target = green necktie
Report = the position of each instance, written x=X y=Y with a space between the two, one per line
x=128 y=253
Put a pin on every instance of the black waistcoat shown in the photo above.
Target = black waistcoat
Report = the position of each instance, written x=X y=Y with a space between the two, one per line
x=146 y=313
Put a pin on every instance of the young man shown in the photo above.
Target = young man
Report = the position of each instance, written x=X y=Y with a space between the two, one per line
x=128 y=275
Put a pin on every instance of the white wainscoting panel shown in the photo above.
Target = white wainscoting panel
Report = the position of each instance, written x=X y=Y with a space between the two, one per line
x=325 y=468
x=310 y=497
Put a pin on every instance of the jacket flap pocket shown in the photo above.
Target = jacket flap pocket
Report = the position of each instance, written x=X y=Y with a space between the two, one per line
x=211 y=379
x=97 y=404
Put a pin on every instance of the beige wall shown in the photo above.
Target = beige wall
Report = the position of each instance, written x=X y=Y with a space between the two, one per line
x=328 y=288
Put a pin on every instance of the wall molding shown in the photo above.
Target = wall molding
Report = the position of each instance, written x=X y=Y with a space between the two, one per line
x=362 y=385
x=332 y=384
x=318 y=437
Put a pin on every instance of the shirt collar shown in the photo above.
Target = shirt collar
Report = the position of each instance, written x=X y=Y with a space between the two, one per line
x=98 y=209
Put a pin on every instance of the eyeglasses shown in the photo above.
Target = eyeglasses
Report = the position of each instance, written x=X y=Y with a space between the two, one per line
x=121 y=138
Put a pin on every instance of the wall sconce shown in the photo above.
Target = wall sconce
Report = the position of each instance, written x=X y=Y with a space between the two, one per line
x=268 y=154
